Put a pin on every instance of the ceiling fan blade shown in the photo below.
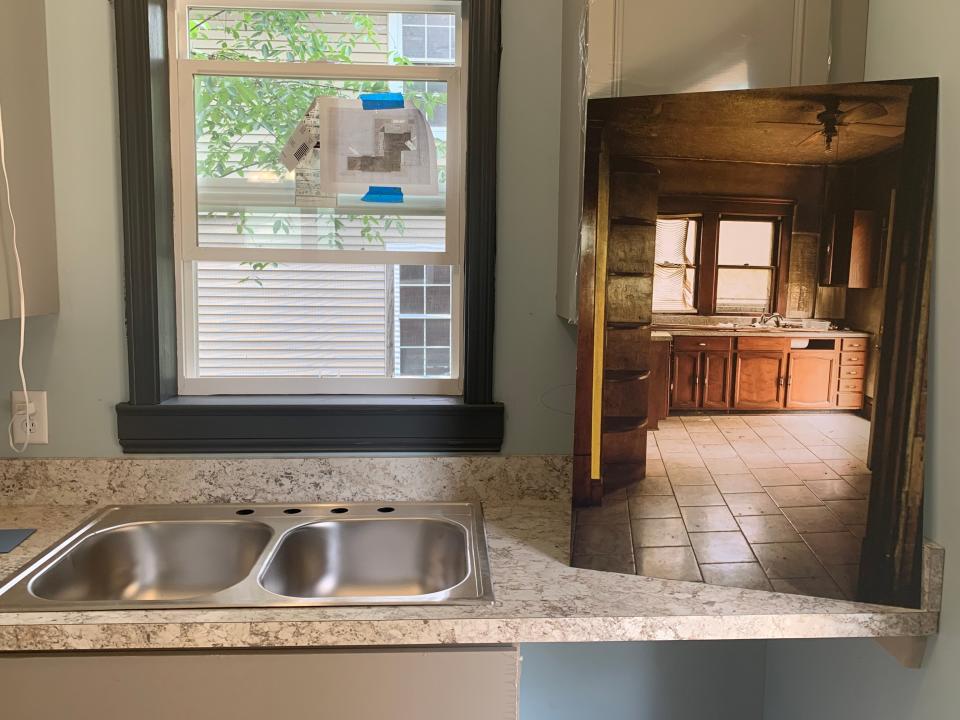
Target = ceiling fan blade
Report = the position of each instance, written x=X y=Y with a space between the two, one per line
x=890 y=131
x=817 y=134
x=862 y=113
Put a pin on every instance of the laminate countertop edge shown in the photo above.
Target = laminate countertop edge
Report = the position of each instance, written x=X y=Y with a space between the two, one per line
x=539 y=598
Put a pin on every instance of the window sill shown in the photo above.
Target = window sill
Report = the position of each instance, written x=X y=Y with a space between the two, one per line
x=292 y=423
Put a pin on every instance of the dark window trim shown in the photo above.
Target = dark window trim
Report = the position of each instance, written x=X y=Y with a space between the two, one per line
x=155 y=418
x=711 y=209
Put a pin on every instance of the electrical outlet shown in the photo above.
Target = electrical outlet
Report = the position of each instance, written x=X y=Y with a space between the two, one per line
x=34 y=424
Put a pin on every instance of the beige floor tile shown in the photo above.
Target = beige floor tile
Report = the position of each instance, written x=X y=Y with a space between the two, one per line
x=668 y=563
x=767 y=529
x=760 y=503
x=612 y=510
x=653 y=506
x=801 y=455
x=608 y=563
x=849 y=512
x=690 y=476
x=859 y=531
x=721 y=547
x=830 y=452
x=751 y=447
x=725 y=466
x=711 y=452
x=813 y=471
x=848 y=467
x=707 y=437
x=670 y=446
x=782 y=442
x=846 y=577
x=739 y=483
x=836 y=548
x=815 y=587
x=697 y=495
x=834 y=490
x=813 y=519
x=650 y=486
x=788 y=560
x=655 y=468
x=695 y=421
x=860 y=483
x=747 y=575
x=675 y=460
x=659 y=532
x=604 y=539
x=769 y=477
x=760 y=461
x=757 y=421
x=793 y=496
x=729 y=421
x=708 y=519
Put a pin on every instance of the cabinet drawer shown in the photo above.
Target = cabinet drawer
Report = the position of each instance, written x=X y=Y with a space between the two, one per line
x=853 y=358
x=853 y=344
x=851 y=371
x=702 y=343
x=850 y=400
x=763 y=343
x=855 y=385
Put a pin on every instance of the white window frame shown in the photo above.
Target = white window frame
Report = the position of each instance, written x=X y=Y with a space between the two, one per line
x=183 y=70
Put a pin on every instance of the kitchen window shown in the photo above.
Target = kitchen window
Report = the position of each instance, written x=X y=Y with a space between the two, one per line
x=288 y=288
x=277 y=298
x=721 y=256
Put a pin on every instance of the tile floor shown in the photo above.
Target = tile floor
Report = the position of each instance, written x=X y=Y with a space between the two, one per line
x=772 y=502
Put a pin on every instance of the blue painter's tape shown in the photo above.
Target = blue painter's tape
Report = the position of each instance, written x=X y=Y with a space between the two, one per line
x=382 y=101
x=379 y=194
x=9 y=539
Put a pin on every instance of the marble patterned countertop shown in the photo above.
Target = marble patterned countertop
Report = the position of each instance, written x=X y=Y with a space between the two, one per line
x=714 y=331
x=539 y=598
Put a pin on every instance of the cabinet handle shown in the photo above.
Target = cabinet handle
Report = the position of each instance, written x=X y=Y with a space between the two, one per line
x=702 y=344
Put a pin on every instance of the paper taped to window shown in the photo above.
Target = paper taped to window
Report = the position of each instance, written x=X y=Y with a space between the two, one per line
x=347 y=146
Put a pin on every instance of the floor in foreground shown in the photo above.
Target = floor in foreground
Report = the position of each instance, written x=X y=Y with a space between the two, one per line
x=771 y=502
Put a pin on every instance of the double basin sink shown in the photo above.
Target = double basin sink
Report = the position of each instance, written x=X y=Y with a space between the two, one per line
x=176 y=556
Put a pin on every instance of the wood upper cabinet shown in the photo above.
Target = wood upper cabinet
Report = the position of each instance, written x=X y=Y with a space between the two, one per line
x=759 y=380
x=686 y=379
x=716 y=380
x=811 y=379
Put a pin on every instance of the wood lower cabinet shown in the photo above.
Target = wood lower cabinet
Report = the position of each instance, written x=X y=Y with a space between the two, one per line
x=686 y=380
x=759 y=380
x=716 y=380
x=811 y=379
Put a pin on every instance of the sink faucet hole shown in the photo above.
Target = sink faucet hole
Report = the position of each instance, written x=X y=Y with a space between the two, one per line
x=291 y=511
x=245 y=511
x=385 y=509
x=339 y=511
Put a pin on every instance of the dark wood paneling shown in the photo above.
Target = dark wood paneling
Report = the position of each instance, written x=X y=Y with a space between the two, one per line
x=629 y=298
x=890 y=567
x=631 y=249
x=659 y=393
x=627 y=348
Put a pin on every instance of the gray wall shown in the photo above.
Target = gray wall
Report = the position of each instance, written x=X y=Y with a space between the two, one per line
x=851 y=679
x=642 y=681
x=79 y=355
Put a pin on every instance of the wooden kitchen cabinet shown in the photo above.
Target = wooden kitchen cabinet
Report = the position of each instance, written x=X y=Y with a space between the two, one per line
x=759 y=380
x=659 y=395
x=716 y=380
x=811 y=379
x=701 y=373
x=686 y=380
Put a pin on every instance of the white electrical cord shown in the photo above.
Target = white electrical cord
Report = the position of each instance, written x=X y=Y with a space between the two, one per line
x=23 y=304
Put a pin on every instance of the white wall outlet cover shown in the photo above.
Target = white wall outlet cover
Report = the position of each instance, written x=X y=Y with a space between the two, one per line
x=36 y=424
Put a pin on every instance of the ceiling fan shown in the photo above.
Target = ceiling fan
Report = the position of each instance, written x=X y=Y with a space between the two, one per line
x=856 y=120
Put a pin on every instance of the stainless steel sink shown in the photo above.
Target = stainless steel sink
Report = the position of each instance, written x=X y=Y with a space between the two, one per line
x=176 y=556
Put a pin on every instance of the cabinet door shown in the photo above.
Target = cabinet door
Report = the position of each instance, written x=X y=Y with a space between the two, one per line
x=716 y=380
x=686 y=380
x=811 y=379
x=759 y=380
x=659 y=397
